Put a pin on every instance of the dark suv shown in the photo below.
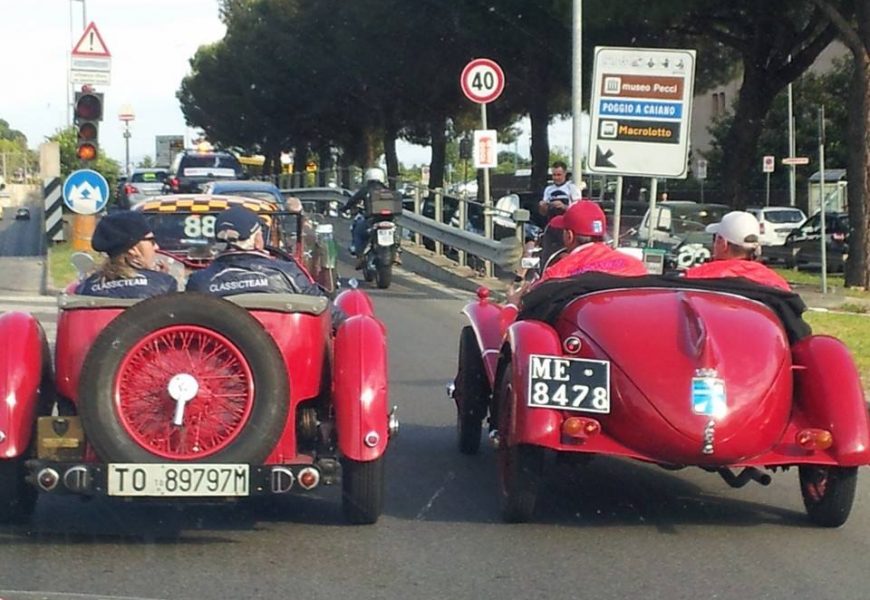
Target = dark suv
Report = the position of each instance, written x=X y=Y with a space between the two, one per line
x=192 y=169
x=803 y=246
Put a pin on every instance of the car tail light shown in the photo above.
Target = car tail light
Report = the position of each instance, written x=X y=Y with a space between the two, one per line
x=572 y=344
x=309 y=478
x=814 y=439
x=761 y=228
x=580 y=427
x=130 y=189
x=174 y=184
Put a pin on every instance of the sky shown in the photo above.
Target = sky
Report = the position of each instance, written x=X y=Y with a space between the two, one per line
x=151 y=43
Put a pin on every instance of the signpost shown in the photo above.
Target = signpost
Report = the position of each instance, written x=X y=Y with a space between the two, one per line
x=482 y=81
x=485 y=149
x=768 y=164
x=90 y=59
x=641 y=114
x=701 y=174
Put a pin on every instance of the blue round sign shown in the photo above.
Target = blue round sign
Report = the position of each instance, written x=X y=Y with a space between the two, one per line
x=85 y=192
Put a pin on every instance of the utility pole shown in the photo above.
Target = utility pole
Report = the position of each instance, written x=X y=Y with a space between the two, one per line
x=822 y=208
x=577 y=92
x=792 y=189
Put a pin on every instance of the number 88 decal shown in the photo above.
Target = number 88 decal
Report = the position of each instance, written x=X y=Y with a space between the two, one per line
x=196 y=226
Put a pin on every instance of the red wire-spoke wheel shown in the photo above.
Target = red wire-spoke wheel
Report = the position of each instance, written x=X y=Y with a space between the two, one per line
x=184 y=377
x=165 y=418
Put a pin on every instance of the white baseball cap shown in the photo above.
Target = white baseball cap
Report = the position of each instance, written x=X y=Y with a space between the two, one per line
x=739 y=228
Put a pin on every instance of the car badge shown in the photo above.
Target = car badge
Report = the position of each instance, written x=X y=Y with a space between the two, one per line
x=709 y=434
x=708 y=394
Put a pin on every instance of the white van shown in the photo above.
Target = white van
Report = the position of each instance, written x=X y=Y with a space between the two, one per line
x=776 y=222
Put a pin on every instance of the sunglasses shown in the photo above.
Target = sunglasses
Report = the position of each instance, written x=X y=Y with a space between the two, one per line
x=151 y=239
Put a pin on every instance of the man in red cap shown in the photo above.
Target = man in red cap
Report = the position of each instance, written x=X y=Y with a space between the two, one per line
x=735 y=250
x=583 y=227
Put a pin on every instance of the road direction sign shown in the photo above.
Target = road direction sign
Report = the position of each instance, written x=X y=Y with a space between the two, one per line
x=85 y=192
x=641 y=111
x=485 y=149
x=482 y=80
x=768 y=164
x=795 y=160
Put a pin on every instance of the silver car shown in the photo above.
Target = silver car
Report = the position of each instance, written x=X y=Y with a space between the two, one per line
x=142 y=184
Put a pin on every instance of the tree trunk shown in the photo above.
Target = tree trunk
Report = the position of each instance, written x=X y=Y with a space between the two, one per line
x=438 y=129
x=540 y=150
x=857 y=273
x=741 y=143
x=300 y=157
x=391 y=155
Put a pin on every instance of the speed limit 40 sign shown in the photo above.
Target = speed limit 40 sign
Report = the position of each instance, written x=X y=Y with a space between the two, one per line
x=482 y=80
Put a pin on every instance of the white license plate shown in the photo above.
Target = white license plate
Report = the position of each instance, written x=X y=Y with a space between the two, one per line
x=569 y=383
x=178 y=480
x=386 y=237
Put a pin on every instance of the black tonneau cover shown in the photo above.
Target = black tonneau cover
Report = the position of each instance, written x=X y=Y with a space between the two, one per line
x=546 y=300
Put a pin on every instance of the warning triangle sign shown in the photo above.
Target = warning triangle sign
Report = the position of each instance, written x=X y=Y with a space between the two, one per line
x=91 y=44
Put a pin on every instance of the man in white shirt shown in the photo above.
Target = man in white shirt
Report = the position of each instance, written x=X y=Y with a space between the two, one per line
x=561 y=193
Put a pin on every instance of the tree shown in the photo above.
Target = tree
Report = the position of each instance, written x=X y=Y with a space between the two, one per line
x=853 y=28
x=146 y=163
x=12 y=135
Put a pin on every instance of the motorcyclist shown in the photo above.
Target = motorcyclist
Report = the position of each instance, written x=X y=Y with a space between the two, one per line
x=375 y=179
x=245 y=267
x=129 y=271
x=736 y=248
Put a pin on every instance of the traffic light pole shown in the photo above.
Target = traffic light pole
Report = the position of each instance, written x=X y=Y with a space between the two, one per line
x=127 y=135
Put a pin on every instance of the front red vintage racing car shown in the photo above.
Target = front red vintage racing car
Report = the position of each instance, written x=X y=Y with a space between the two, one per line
x=192 y=396
x=719 y=374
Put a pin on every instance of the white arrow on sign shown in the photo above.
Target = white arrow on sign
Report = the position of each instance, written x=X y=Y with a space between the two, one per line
x=86 y=198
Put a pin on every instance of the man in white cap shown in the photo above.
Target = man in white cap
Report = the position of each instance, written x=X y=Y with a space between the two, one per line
x=736 y=247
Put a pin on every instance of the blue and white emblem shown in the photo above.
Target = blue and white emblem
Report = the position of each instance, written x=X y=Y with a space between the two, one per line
x=708 y=396
x=85 y=192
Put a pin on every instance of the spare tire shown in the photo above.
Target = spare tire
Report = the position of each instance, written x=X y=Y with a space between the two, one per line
x=184 y=377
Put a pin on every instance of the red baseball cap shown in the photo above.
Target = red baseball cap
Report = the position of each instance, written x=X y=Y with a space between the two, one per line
x=583 y=218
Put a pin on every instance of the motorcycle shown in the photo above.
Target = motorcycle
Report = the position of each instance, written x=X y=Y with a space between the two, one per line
x=379 y=254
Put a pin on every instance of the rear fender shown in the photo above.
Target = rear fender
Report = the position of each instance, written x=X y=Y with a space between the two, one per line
x=538 y=426
x=489 y=322
x=360 y=388
x=829 y=393
x=355 y=302
x=21 y=371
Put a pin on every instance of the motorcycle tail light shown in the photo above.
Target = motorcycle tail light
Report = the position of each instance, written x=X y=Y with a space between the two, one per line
x=580 y=427
x=814 y=439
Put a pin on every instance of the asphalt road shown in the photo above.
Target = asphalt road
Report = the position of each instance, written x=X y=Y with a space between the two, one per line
x=612 y=529
x=22 y=250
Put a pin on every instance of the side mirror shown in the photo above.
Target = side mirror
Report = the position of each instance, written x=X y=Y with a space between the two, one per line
x=84 y=264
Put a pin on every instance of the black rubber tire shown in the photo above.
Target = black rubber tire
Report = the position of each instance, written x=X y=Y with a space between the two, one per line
x=362 y=490
x=833 y=507
x=520 y=467
x=271 y=387
x=17 y=497
x=368 y=274
x=384 y=267
x=471 y=393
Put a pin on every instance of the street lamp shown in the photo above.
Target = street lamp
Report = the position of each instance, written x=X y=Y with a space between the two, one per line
x=126 y=115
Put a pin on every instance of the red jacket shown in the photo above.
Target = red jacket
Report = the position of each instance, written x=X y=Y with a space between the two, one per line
x=595 y=257
x=735 y=267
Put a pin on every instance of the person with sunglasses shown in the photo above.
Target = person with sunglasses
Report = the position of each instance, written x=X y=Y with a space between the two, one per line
x=129 y=270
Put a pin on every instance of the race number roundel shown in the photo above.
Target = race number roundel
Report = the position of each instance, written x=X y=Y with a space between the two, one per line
x=482 y=80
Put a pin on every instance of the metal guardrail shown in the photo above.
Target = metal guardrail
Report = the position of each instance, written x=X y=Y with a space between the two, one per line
x=505 y=253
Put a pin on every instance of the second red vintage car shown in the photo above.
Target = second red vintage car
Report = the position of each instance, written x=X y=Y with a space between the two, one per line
x=718 y=374
x=189 y=396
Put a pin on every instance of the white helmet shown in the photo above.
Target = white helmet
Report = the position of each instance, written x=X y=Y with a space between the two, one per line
x=376 y=174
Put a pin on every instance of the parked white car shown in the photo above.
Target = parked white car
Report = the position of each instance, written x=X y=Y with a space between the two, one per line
x=776 y=222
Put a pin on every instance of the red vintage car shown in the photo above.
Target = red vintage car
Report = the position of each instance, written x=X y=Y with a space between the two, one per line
x=718 y=374
x=196 y=397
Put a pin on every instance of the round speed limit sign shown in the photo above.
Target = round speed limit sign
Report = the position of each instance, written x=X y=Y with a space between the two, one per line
x=482 y=80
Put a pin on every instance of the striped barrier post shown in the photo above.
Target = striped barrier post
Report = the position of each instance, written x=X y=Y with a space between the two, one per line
x=52 y=193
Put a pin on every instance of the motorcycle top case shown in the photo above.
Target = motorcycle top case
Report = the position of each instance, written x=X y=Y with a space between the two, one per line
x=383 y=202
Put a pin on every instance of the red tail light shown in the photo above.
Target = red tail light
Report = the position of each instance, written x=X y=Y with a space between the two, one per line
x=130 y=189
x=580 y=427
x=814 y=439
x=761 y=228
x=174 y=184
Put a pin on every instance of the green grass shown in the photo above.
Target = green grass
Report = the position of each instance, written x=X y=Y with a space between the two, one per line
x=854 y=330
x=814 y=279
x=61 y=271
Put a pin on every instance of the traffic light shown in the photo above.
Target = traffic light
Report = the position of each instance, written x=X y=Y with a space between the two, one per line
x=88 y=113
x=465 y=148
